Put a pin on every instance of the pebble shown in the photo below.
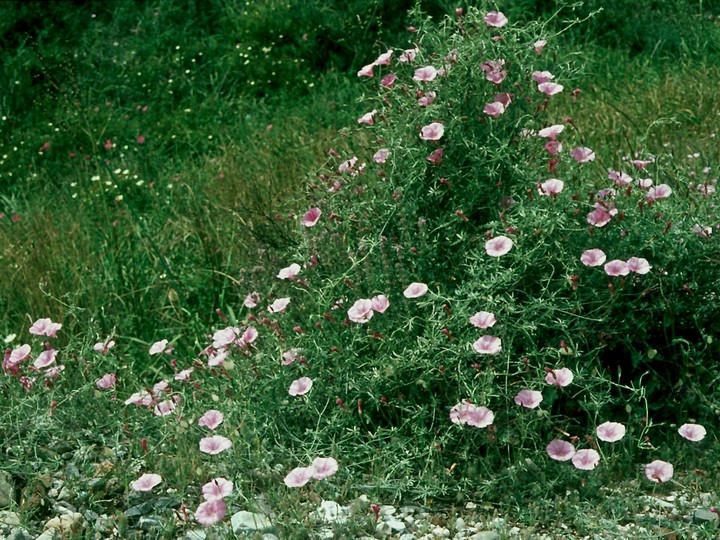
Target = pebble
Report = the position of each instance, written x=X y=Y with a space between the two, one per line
x=706 y=516
x=244 y=521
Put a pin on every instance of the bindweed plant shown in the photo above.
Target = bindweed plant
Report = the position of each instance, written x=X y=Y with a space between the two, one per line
x=472 y=297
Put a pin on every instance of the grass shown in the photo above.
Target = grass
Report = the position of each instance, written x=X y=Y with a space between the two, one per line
x=142 y=224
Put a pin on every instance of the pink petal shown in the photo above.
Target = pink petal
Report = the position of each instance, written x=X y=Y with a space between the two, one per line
x=560 y=450
x=610 y=431
x=217 y=488
x=659 y=471
x=593 y=257
x=324 y=467
x=559 y=377
x=210 y=512
x=215 y=444
x=529 y=398
x=301 y=386
x=211 y=419
x=311 y=217
x=586 y=460
x=488 y=345
x=146 y=482
x=415 y=290
x=432 y=132
x=498 y=246
x=692 y=432
x=483 y=319
x=299 y=476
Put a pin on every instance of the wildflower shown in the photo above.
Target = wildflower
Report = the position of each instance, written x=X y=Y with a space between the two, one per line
x=432 y=132
x=380 y=303
x=106 y=382
x=692 y=432
x=415 y=290
x=388 y=80
x=299 y=476
x=279 y=305
x=215 y=444
x=289 y=356
x=483 y=319
x=361 y=311
x=158 y=347
x=253 y=298
x=381 y=155
x=551 y=132
x=599 y=217
x=146 y=482
x=542 y=76
x=211 y=419
x=467 y=413
x=559 y=377
x=639 y=266
x=425 y=74
x=366 y=71
x=616 y=268
x=45 y=358
x=494 y=109
x=104 y=347
x=290 y=272
x=498 y=246
x=408 y=55
x=496 y=19
x=529 y=398
x=488 y=345
x=183 y=375
x=368 y=118
x=45 y=327
x=210 y=512
x=582 y=154
x=324 y=467
x=610 y=431
x=553 y=187
x=311 y=218
x=217 y=489
x=550 y=88
x=164 y=408
x=592 y=257
x=301 y=386
x=539 y=45
x=384 y=59
x=223 y=338
x=659 y=471
x=560 y=450
x=662 y=191
x=427 y=99
x=586 y=460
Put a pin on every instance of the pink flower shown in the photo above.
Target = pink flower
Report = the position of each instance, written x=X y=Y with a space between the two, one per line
x=143 y=397
x=301 y=386
x=366 y=71
x=479 y=417
x=639 y=266
x=158 y=347
x=662 y=191
x=529 y=398
x=641 y=164
x=380 y=303
x=467 y=413
x=215 y=444
x=289 y=356
x=552 y=186
x=408 y=55
x=299 y=476
x=504 y=98
x=488 y=345
x=599 y=217
x=45 y=358
x=425 y=74
x=388 y=80
x=494 y=109
x=497 y=75
x=217 y=358
x=542 y=76
x=384 y=59
x=279 y=305
x=692 y=432
x=436 y=156
x=582 y=154
x=560 y=450
x=249 y=336
x=619 y=177
x=553 y=147
x=290 y=272
x=164 y=408
x=498 y=246
x=539 y=45
x=183 y=375
x=368 y=118
x=324 y=467
x=224 y=337
x=415 y=290
x=659 y=471
x=210 y=512
x=253 y=298
x=616 y=268
x=644 y=183
x=559 y=377
x=483 y=319
x=310 y=218
x=427 y=99
x=550 y=88
x=592 y=257
x=217 y=488
x=45 y=327
x=432 y=132
x=361 y=311
x=586 y=460
x=106 y=382
x=146 y=482
x=104 y=347
x=211 y=419
x=551 y=132
x=610 y=431
x=495 y=19
x=381 y=155
x=18 y=355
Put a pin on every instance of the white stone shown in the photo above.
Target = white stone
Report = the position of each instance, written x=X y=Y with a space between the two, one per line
x=332 y=512
x=396 y=525
x=244 y=521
